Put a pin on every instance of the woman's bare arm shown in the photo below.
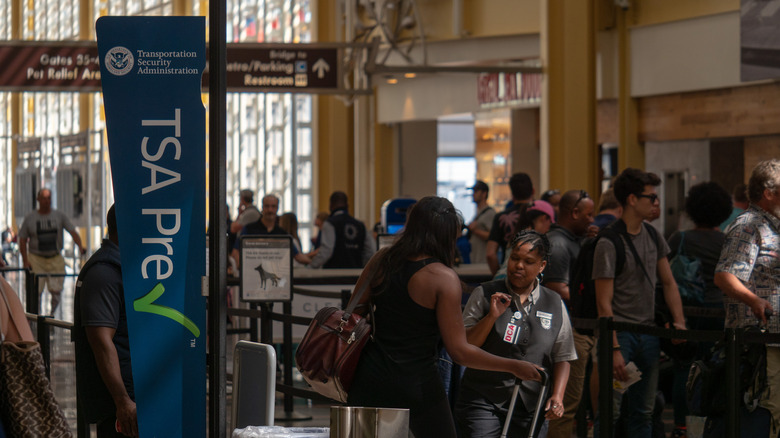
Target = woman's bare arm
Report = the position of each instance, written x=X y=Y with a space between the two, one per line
x=445 y=297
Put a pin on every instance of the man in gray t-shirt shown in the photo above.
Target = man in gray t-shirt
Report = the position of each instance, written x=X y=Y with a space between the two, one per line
x=629 y=295
x=42 y=230
x=479 y=228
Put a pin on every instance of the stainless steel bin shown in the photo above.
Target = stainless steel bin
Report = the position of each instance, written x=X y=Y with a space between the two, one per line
x=357 y=422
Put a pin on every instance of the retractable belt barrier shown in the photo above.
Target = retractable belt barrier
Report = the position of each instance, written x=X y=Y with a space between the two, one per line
x=266 y=316
x=734 y=339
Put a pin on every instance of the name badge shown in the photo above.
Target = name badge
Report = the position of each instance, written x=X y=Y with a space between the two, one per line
x=511 y=333
x=543 y=315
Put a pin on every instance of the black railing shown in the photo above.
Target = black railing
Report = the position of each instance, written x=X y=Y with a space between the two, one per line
x=734 y=339
x=262 y=315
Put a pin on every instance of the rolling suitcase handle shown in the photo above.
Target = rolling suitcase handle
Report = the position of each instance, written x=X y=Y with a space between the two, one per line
x=539 y=405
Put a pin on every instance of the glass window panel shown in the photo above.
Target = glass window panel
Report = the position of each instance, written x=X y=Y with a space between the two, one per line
x=303 y=108
x=269 y=137
x=304 y=208
x=453 y=177
x=5 y=20
x=304 y=141
x=304 y=178
x=6 y=195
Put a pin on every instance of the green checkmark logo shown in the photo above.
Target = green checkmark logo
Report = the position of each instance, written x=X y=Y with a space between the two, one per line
x=146 y=304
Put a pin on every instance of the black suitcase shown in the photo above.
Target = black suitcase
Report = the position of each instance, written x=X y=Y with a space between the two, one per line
x=538 y=412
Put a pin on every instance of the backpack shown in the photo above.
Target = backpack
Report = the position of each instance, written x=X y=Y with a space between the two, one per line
x=687 y=274
x=705 y=389
x=582 y=287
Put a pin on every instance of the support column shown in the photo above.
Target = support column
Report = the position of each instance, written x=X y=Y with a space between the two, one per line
x=363 y=203
x=16 y=107
x=630 y=152
x=568 y=153
x=333 y=123
x=386 y=168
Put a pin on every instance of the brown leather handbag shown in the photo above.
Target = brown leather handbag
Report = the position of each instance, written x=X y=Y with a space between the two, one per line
x=330 y=350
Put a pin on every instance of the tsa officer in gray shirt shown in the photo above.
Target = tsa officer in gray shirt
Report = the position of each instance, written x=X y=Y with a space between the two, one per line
x=515 y=317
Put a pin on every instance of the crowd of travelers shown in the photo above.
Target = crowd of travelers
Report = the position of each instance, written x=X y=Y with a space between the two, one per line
x=537 y=250
x=552 y=259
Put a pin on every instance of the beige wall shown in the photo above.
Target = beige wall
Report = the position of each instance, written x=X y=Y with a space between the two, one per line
x=525 y=144
x=480 y=18
x=697 y=54
x=501 y=17
x=648 y=12
x=417 y=158
x=758 y=149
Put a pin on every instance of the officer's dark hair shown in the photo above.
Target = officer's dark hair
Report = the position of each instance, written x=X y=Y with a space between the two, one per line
x=521 y=186
x=708 y=204
x=432 y=226
x=113 y=234
x=338 y=199
x=632 y=181
x=538 y=242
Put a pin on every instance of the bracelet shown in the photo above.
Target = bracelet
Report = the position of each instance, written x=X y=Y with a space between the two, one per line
x=616 y=347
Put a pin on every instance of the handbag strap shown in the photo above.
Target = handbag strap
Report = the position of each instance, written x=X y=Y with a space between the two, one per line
x=12 y=320
x=359 y=294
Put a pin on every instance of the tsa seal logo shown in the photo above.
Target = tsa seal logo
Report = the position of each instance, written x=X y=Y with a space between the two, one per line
x=119 y=61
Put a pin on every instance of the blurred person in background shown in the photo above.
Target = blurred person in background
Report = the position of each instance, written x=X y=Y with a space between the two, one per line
x=552 y=196
x=707 y=205
x=479 y=228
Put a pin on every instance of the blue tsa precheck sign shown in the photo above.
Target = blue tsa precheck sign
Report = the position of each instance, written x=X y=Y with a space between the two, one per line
x=151 y=70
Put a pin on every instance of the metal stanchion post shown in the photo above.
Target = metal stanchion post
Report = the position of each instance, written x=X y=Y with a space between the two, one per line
x=266 y=325
x=733 y=347
x=287 y=352
x=31 y=286
x=253 y=324
x=606 y=425
x=45 y=342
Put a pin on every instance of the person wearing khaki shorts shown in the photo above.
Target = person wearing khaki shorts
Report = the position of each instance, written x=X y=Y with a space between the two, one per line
x=40 y=244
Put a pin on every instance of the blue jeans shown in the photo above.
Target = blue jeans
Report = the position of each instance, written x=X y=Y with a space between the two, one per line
x=644 y=351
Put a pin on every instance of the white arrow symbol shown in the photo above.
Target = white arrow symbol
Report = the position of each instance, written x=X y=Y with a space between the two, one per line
x=320 y=67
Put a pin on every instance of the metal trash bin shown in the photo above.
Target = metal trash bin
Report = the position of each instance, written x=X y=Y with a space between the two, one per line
x=358 y=422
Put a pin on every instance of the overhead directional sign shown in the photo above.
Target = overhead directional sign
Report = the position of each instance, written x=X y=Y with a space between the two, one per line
x=49 y=65
x=289 y=67
x=278 y=68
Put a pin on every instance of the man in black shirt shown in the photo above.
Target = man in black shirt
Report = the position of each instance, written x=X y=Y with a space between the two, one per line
x=104 y=375
x=345 y=242
x=505 y=223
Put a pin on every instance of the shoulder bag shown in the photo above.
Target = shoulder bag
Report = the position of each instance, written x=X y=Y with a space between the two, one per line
x=329 y=352
x=26 y=399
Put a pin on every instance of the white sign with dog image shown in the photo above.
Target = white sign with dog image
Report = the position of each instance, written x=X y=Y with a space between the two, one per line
x=266 y=268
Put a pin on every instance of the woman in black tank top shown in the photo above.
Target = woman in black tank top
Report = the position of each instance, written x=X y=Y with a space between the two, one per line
x=416 y=297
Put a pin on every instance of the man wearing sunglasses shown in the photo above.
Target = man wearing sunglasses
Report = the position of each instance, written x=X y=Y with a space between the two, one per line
x=629 y=295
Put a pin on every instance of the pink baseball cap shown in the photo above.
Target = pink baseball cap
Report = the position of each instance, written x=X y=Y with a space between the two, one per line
x=544 y=207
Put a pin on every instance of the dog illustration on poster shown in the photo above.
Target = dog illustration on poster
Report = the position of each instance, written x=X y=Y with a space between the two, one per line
x=267 y=275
